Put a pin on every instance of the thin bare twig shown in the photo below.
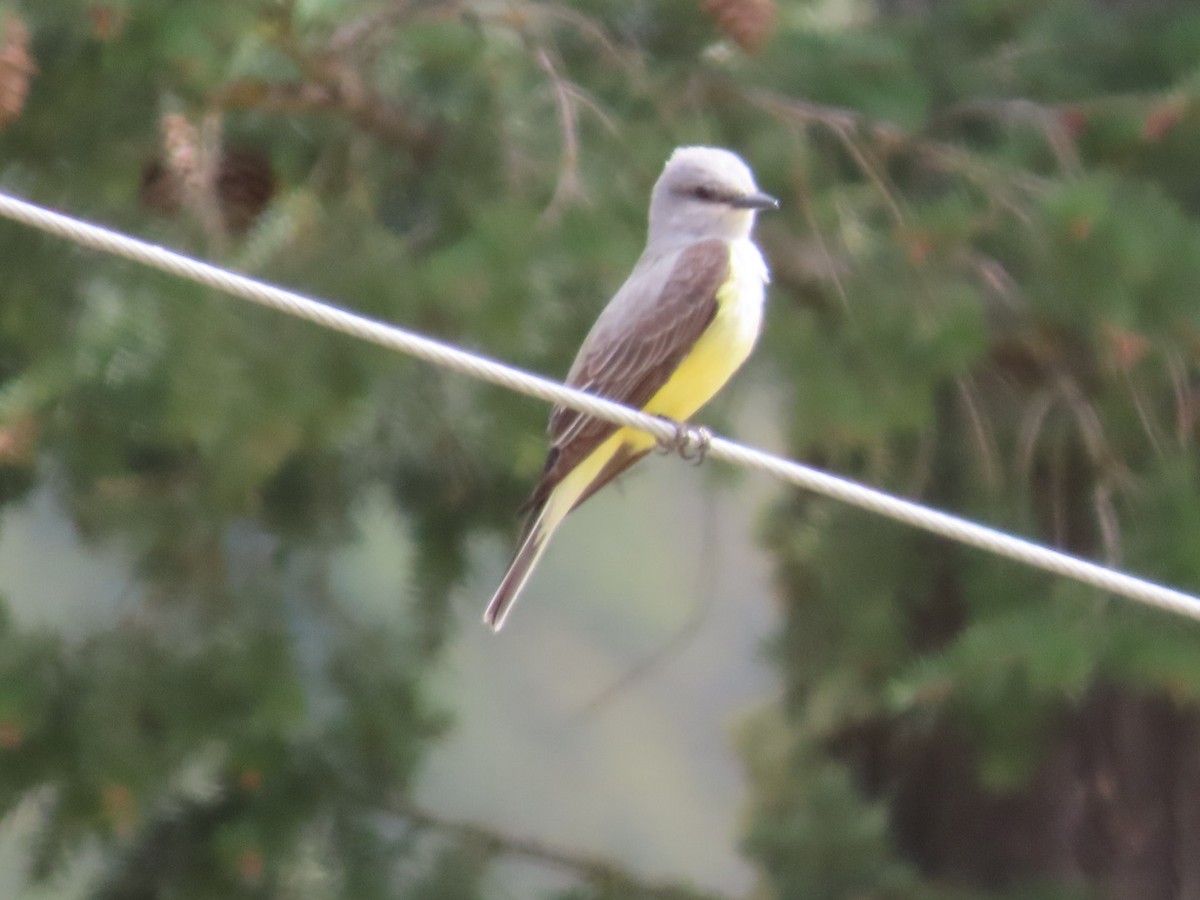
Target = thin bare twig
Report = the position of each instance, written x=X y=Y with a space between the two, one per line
x=595 y=870
x=890 y=138
x=843 y=124
x=1090 y=427
x=1056 y=472
x=1110 y=525
x=1185 y=412
x=1022 y=111
x=669 y=649
x=1112 y=473
x=984 y=440
x=871 y=167
x=1030 y=430
x=590 y=29
x=567 y=187
x=810 y=217
x=1149 y=426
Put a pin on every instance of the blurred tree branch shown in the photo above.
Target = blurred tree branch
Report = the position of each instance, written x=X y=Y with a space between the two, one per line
x=340 y=93
x=867 y=139
x=333 y=84
x=597 y=871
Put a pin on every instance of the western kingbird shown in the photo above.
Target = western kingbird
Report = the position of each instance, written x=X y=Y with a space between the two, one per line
x=684 y=321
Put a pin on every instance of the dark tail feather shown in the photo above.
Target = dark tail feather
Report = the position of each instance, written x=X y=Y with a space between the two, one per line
x=518 y=573
x=536 y=534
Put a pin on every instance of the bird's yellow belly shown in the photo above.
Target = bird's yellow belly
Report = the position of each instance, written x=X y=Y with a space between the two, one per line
x=719 y=352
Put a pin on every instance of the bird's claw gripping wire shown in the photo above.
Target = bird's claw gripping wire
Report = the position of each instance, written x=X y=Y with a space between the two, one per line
x=690 y=442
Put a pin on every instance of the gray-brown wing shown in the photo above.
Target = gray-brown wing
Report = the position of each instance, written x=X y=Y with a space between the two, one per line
x=629 y=363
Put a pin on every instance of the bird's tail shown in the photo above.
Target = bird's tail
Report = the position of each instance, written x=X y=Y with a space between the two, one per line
x=537 y=537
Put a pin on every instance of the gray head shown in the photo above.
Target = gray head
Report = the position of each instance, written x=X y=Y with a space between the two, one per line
x=705 y=192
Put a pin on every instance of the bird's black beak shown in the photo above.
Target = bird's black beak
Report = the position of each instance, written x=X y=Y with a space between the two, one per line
x=757 y=200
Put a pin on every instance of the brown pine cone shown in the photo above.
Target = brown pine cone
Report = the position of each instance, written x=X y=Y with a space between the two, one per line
x=748 y=23
x=245 y=185
x=16 y=67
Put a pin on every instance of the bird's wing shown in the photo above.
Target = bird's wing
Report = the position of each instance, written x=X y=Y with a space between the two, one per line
x=632 y=354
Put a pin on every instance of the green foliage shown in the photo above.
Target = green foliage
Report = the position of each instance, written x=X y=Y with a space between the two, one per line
x=984 y=297
x=812 y=830
x=1011 y=348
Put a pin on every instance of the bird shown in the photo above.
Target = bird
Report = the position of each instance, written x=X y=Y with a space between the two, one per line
x=684 y=321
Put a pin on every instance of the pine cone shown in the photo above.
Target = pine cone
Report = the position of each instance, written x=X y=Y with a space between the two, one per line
x=245 y=185
x=108 y=21
x=16 y=68
x=748 y=23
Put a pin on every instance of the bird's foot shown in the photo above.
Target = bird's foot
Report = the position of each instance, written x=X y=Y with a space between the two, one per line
x=690 y=442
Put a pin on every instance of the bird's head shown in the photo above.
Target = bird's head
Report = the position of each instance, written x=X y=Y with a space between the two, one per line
x=705 y=192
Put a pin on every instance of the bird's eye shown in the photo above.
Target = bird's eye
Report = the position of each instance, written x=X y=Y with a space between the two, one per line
x=705 y=193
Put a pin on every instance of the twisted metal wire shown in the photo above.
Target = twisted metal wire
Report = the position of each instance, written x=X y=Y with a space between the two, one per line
x=667 y=433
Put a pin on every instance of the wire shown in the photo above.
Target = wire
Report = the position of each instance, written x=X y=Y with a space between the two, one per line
x=458 y=360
